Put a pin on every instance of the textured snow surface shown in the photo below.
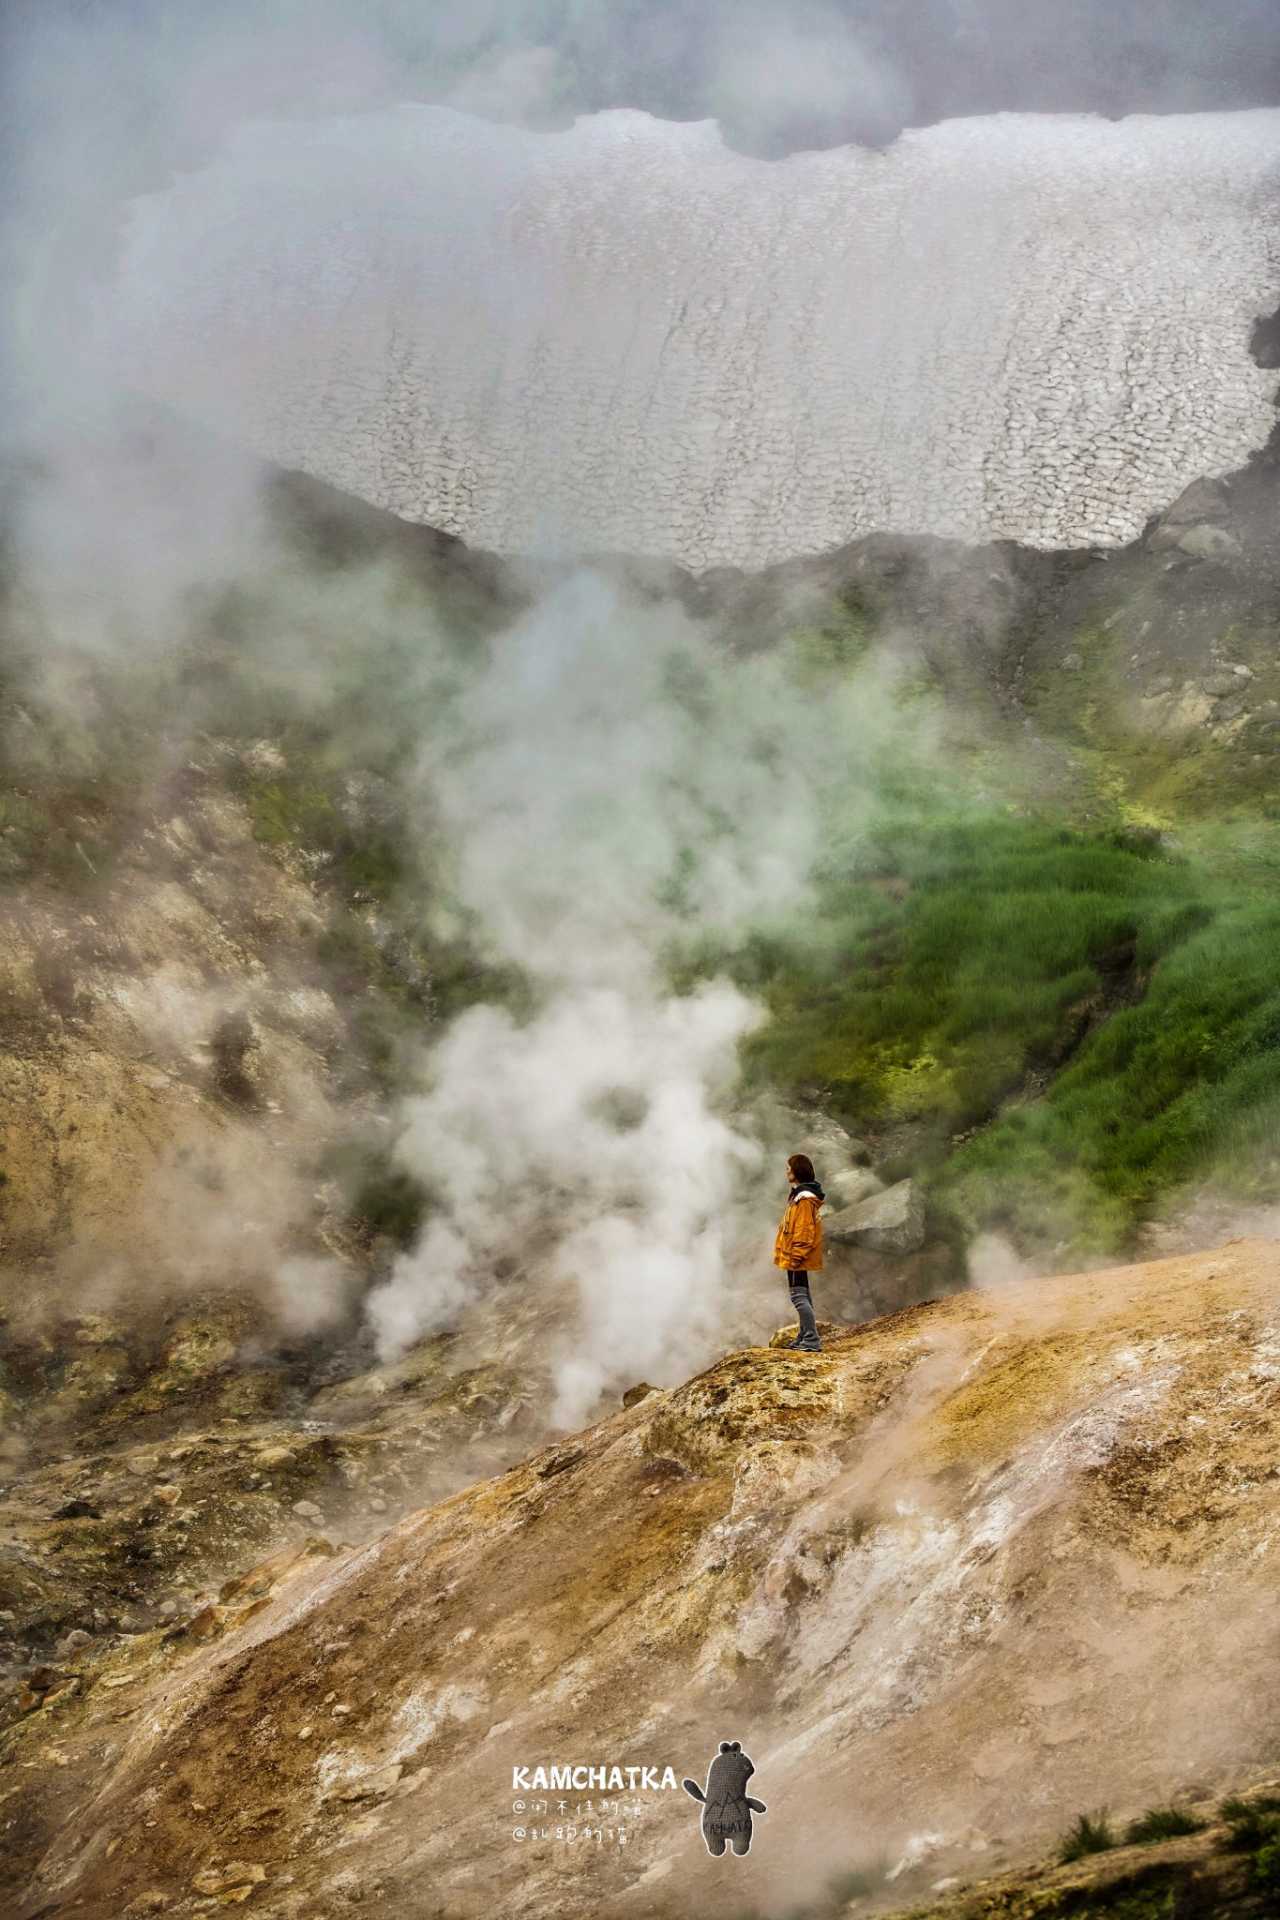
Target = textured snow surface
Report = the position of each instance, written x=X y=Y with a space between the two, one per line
x=627 y=337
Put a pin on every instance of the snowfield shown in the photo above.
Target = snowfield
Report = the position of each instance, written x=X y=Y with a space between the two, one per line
x=626 y=337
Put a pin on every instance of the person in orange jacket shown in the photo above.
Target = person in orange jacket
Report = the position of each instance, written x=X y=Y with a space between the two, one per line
x=798 y=1246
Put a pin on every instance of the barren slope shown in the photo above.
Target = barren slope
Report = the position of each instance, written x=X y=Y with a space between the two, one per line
x=982 y=1563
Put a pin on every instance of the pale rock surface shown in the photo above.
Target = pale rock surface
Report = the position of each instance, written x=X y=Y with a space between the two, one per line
x=890 y=1222
x=1036 y=1525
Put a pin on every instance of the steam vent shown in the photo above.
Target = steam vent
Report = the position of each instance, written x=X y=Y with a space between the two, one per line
x=626 y=337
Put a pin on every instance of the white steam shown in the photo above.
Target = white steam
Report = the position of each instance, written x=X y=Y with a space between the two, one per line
x=614 y=786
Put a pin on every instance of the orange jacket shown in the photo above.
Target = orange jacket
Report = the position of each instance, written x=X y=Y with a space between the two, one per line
x=799 y=1237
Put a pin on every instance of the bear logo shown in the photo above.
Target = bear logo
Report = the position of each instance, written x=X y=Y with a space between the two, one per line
x=726 y=1805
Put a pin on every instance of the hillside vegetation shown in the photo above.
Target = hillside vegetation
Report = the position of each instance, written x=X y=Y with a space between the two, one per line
x=1037 y=972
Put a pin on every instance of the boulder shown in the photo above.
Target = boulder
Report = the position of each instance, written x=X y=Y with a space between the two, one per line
x=1208 y=543
x=889 y=1222
x=825 y=1141
x=1202 y=500
x=850 y=1187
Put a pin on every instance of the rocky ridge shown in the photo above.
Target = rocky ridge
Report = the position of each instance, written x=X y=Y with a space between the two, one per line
x=980 y=1564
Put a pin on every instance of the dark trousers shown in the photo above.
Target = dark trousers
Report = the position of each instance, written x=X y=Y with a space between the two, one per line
x=802 y=1301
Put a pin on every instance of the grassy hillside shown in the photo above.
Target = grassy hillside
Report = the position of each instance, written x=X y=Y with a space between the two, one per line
x=1038 y=971
x=1054 y=1027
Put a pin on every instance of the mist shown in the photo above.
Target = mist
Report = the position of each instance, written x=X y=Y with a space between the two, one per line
x=606 y=785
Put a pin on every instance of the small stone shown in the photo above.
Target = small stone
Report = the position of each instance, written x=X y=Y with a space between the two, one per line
x=1072 y=662
x=377 y=1504
x=64 y=1692
x=307 y=1510
x=72 y=1642
x=228 y=1879
x=206 y=1623
x=340 y=1711
x=305 y=1733
x=166 y=1495
x=374 y=1785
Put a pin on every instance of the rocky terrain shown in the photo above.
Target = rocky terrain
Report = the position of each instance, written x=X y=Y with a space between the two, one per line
x=990 y=1562
x=983 y=1564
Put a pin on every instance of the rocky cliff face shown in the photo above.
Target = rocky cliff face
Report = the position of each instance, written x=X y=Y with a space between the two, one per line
x=976 y=1566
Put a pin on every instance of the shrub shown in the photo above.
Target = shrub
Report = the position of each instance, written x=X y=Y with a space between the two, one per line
x=1089 y=1833
x=1265 y=1866
x=1162 y=1823
x=1251 y=1823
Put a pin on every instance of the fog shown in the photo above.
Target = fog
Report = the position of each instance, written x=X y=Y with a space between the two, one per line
x=608 y=784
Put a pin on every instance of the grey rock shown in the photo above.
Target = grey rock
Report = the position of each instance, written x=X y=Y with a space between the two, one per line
x=1221 y=682
x=1202 y=500
x=826 y=1142
x=307 y=1510
x=1208 y=543
x=72 y=1642
x=1072 y=662
x=889 y=1222
x=850 y=1187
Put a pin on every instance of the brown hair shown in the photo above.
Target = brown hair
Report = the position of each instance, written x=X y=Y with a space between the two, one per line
x=800 y=1167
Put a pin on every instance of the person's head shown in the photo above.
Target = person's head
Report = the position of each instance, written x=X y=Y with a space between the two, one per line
x=799 y=1169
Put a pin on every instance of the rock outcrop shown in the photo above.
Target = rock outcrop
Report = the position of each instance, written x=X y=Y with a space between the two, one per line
x=890 y=1221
